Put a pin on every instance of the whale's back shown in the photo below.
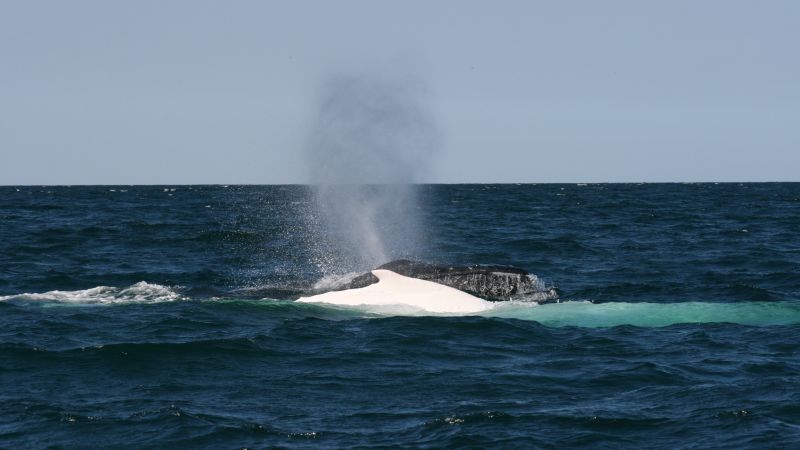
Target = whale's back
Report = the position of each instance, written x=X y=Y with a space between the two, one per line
x=393 y=289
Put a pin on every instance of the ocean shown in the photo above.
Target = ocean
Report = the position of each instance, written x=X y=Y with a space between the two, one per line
x=164 y=317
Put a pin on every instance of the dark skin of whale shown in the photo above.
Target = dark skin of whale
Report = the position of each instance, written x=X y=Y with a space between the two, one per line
x=490 y=282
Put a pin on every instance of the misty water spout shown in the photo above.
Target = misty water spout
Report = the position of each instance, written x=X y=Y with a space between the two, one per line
x=371 y=141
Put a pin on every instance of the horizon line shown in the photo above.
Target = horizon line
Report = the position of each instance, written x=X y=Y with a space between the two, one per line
x=504 y=183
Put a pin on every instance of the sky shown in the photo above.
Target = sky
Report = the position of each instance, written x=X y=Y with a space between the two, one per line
x=192 y=91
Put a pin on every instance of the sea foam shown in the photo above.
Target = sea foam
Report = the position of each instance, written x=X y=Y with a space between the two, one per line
x=141 y=292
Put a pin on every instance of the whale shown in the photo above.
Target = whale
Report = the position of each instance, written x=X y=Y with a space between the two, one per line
x=493 y=283
x=489 y=282
x=393 y=289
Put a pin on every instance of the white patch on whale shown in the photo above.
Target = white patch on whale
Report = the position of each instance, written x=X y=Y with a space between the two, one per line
x=393 y=289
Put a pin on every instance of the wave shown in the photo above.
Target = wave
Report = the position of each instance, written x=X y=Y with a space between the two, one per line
x=141 y=292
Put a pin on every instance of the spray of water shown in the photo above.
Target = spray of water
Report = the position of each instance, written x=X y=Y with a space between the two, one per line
x=372 y=139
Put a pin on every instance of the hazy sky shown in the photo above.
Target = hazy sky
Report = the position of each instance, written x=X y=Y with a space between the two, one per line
x=192 y=91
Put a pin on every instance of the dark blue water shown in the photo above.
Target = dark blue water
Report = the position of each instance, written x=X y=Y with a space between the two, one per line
x=146 y=317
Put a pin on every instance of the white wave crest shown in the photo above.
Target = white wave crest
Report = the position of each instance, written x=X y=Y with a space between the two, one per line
x=141 y=292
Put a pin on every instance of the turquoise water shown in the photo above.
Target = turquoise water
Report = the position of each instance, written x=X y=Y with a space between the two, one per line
x=643 y=314
x=163 y=316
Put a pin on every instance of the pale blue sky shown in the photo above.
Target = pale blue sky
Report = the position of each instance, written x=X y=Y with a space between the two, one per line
x=194 y=91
